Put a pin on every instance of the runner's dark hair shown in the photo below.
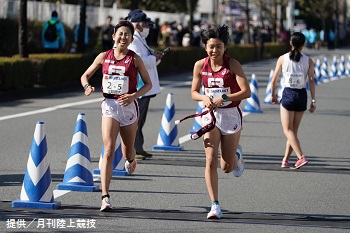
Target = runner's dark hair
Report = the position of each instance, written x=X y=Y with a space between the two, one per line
x=215 y=32
x=297 y=40
x=125 y=23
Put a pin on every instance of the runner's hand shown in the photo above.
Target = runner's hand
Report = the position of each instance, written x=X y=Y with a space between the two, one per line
x=89 y=90
x=312 y=107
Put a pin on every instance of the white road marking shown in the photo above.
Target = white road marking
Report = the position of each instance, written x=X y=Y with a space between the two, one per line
x=50 y=109
x=57 y=193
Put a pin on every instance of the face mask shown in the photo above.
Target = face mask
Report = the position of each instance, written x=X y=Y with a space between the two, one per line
x=145 y=32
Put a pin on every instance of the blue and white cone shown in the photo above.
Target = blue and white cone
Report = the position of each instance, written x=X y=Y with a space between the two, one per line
x=280 y=89
x=78 y=176
x=197 y=124
x=324 y=71
x=118 y=162
x=317 y=72
x=341 y=67
x=167 y=137
x=268 y=97
x=334 y=71
x=37 y=191
x=252 y=103
x=347 y=69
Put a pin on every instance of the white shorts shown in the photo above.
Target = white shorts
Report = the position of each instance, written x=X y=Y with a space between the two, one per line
x=125 y=115
x=228 y=120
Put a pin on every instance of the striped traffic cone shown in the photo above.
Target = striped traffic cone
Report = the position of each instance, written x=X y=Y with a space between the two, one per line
x=317 y=72
x=197 y=124
x=37 y=191
x=78 y=176
x=268 y=97
x=252 y=103
x=324 y=71
x=118 y=162
x=341 y=67
x=334 y=72
x=167 y=137
x=347 y=69
x=280 y=89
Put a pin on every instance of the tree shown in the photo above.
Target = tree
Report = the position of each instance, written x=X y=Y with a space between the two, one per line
x=179 y=6
x=22 y=30
x=320 y=10
x=270 y=11
x=82 y=24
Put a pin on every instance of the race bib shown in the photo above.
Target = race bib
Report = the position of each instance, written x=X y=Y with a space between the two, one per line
x=294 y=80
x=217 y=93
x=115 y=84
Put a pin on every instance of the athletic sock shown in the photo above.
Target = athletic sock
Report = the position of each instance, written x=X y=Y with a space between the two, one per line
x=238 y=155
x=103 y=196
x=215 y=203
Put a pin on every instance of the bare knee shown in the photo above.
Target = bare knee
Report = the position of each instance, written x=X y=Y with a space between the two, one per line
x=211 y=163
x=108 y=153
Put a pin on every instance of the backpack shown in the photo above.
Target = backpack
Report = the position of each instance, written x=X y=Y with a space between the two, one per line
x=51 y=32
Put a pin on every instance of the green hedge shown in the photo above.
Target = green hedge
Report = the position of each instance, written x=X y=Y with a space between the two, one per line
x=16 y=73
x=183 y=59
x=42 y=70
x=53 y=70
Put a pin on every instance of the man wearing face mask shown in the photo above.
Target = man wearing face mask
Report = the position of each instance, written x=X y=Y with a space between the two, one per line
x=151 y=59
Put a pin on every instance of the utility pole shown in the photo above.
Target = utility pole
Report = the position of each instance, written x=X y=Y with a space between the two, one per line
x=247 y=11
x=336 y=24
x=290 y=15
x=82 y=24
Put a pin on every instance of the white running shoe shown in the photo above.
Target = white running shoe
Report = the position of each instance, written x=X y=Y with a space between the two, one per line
x=240 y=166
x=215 y=212
x=130 y=167
x=106 y=205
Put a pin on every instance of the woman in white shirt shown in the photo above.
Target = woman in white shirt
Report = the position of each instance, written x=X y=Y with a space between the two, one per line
x=295 y=67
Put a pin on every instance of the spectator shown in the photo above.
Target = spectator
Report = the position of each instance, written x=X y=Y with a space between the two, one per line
x=238 y=34
x=165 y=31
x=331 y=38
x=53 y=36
x=307 y=37
x=312 y=38
x=106 y=33
x=76 y=36
x=152 y=38
x=322 y=38
x=151 y=59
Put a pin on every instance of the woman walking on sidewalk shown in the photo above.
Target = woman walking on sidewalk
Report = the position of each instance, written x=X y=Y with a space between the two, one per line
x=296 y=67
x=119 y=108
x=225 y=86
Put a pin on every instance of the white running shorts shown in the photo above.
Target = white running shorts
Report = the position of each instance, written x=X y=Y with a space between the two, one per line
x=125 y=115
x=228 y=120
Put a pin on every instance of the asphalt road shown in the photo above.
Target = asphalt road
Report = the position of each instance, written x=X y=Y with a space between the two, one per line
x=167 y=193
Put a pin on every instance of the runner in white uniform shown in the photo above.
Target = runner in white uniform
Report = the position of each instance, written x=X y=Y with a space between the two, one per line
x=296 y=67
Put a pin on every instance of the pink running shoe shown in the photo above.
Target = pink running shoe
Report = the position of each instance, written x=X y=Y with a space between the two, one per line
x=285 y=164
x=301 y=162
